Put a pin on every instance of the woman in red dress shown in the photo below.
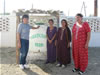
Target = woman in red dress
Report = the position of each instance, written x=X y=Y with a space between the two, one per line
x=80 y=41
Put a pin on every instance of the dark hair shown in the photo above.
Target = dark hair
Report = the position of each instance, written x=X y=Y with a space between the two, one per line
x=65 y=22
x=79 y=14
x=51 y=20
x=25 y=16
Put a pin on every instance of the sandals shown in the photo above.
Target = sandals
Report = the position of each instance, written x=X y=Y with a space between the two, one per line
x=80 y=72
x=75 y=70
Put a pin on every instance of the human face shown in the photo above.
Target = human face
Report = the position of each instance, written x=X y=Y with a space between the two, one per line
x=63 y=24
x=50 y=23
x=25 y=20
x=79 y=19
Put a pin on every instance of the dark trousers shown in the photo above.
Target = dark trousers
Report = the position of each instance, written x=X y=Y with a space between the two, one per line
x=24 y=50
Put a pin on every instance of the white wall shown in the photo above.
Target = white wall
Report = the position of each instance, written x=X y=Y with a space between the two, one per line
x=95 y=39
x=8 y=38
x=94 y=23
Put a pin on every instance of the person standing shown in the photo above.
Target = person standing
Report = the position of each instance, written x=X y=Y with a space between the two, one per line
x=80 y=42
x=63 y=45
x=51 y=47
x=23 y=40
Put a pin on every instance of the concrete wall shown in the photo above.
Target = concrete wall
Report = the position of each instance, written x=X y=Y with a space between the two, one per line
x=8 y=31
x=94 y=23
x=95 y=39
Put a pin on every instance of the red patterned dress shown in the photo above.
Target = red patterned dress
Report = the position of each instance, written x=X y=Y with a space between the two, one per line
x=80 y=53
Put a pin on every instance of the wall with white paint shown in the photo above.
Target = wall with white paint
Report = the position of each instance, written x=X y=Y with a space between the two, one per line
x=94 y=23
x=8 y=30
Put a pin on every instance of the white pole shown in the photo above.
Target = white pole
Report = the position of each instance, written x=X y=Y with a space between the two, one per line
x=4 y=7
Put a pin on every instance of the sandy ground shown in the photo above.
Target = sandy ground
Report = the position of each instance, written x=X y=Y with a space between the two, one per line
x=36 y=62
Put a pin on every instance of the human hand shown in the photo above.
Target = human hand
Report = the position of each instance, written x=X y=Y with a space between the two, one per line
x=68 y=45
x=86 y=45
x=38 y=27
x=19 y=45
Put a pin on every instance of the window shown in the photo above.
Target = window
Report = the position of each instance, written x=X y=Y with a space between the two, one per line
x=4 y=24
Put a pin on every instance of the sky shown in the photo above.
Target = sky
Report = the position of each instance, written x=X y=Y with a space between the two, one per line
x=69 y=7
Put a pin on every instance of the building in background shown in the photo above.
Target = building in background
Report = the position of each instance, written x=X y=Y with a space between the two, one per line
x=9 y=23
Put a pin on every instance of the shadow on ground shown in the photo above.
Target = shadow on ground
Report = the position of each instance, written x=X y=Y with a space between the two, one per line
x=8 y=56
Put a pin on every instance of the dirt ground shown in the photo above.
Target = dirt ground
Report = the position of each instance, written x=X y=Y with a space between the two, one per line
x=36 y=62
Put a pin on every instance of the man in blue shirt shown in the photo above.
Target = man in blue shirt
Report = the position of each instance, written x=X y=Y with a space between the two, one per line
x=23 y=40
